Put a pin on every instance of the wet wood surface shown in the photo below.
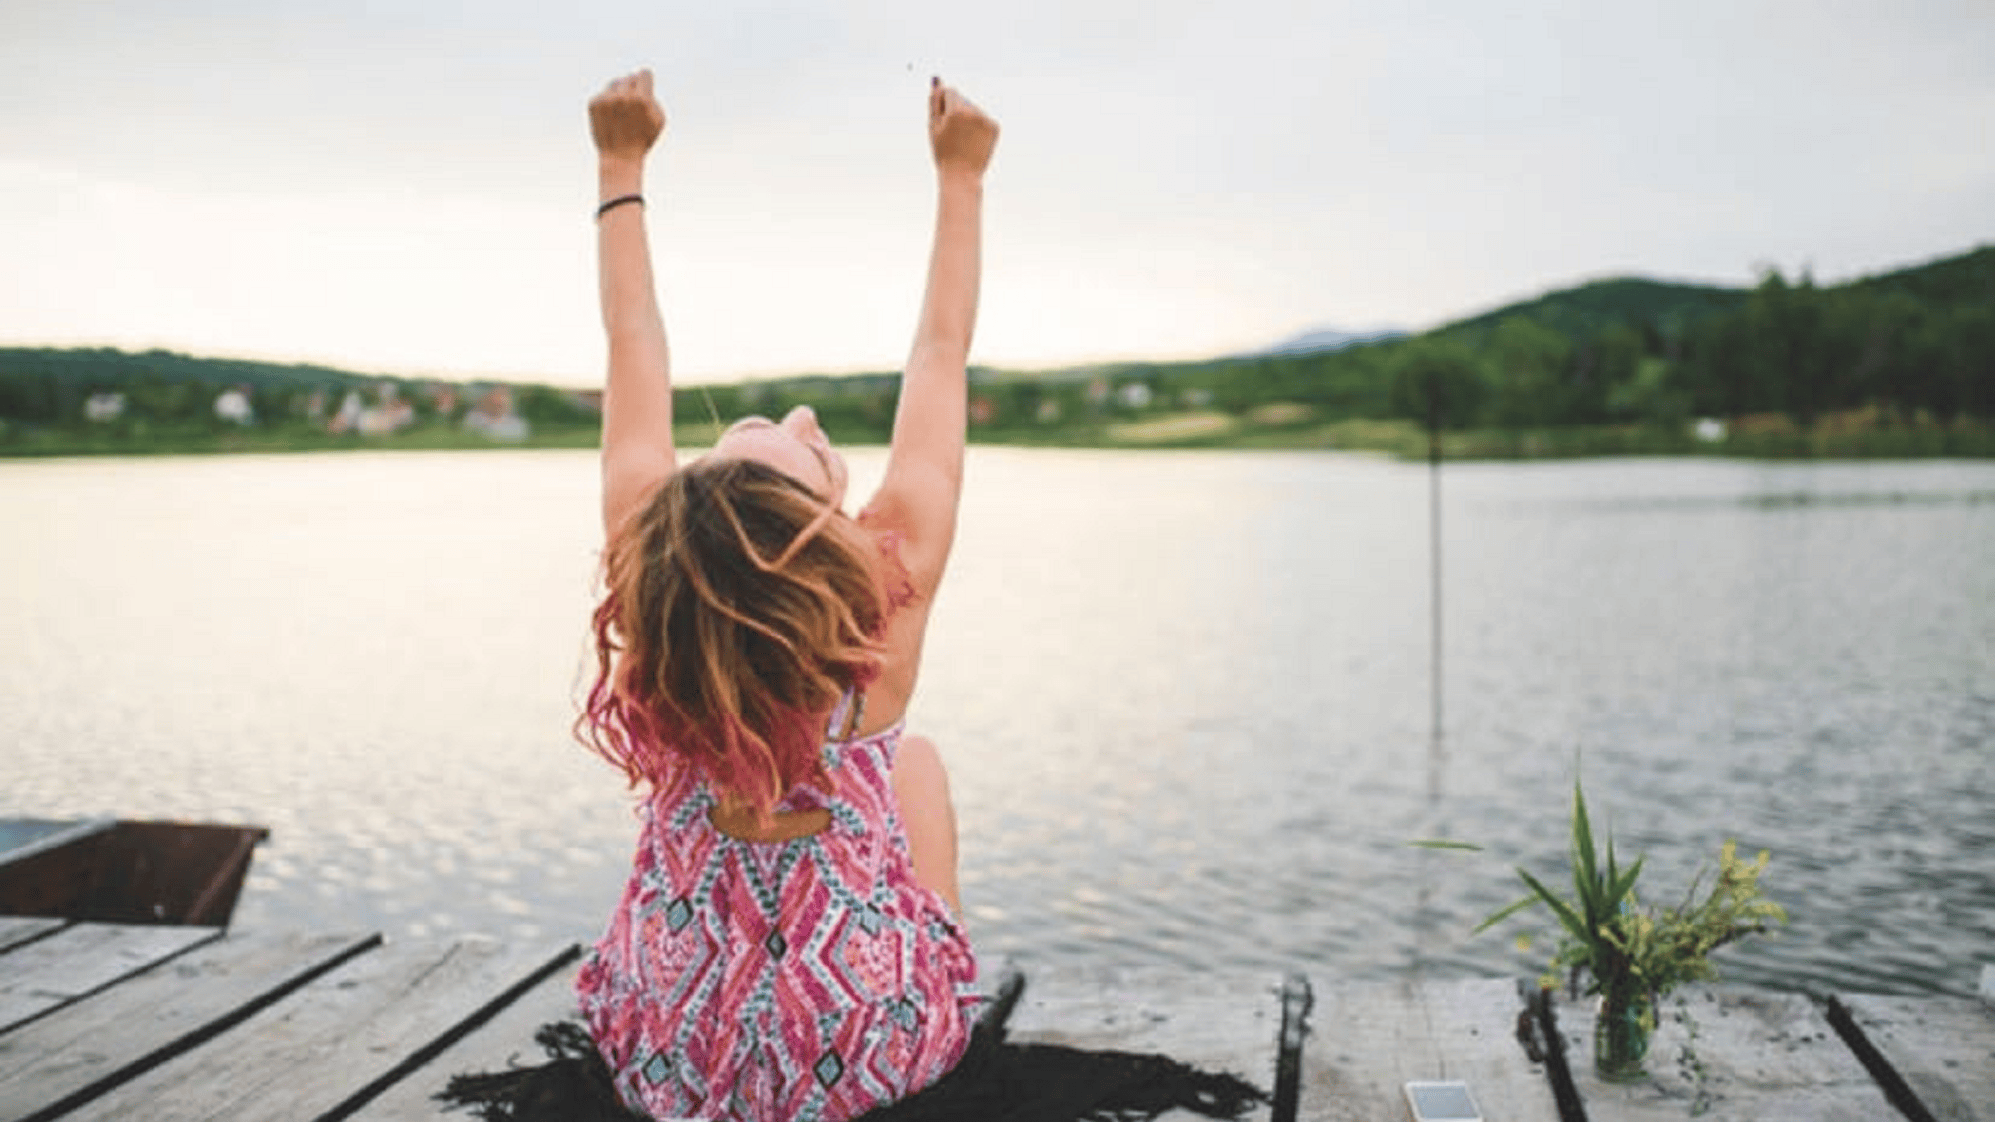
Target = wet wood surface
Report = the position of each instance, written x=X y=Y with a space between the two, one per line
x=1367 y=1041
x=174 y=1024
x=89 y=1046
x=1943 y=1048
x=1752 y=1056
x=306 y=1057
x=44 y=975
x=15 y=930
x=502 y=1042
x=1221 y=1023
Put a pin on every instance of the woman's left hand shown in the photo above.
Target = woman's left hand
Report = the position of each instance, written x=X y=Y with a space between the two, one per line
x=961 y=135
x=625 y=119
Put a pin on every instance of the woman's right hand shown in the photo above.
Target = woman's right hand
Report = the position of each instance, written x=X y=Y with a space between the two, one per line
x=625 y=119
x=962 y=135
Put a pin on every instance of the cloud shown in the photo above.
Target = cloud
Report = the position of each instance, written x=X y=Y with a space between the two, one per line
x=410 y=184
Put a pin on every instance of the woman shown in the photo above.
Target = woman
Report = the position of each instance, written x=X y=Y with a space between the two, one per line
x=788 y=945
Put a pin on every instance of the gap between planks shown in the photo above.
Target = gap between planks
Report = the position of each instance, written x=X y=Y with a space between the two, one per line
x=16 y=930
x=85 y=1049
x=42 y=976
x=1752 y=1056
x=1934 y=1057
x=308 y=1055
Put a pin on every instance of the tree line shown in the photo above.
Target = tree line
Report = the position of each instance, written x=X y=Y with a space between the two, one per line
x=162 y=393
x=1918 y=342
x=1916 y=345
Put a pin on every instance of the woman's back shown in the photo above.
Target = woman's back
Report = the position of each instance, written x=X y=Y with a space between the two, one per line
x=820 y=972
x=812 y=978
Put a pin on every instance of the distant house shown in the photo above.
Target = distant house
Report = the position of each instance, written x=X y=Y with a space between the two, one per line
x=389 y=415
x=1133 y=395
x=442 y=397
x=494 y=416
x=232 y=405
x=347 y=418
x=982 y=410
x=103 y=408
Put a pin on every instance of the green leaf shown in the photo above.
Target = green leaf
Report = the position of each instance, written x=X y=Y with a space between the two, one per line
x=1443 y=843
x=1585 y=870
x=1505 y=912
x=1569 y=918
x=1619 y=890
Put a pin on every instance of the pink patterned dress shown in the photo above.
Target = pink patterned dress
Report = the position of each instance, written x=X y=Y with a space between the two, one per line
x=803 y=981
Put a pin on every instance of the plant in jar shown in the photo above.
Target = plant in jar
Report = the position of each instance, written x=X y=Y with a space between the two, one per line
x=1632 y=954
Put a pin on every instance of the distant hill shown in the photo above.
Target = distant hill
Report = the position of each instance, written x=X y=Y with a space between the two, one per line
x=1585 y=309
x=1616 y=301
x=1913 y=343
x=105 y=366
x=1331 y=339
x=1909 y=349
x=1966 y=279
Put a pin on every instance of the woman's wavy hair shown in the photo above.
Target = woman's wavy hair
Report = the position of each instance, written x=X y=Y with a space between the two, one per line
x=739 y=606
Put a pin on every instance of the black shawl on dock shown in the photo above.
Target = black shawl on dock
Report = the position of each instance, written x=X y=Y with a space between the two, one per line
x=996 y=1081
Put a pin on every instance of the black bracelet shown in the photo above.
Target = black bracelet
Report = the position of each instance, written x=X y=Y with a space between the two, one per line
x=617 y=202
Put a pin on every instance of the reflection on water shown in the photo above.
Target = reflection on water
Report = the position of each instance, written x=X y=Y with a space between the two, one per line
x=1184 y=697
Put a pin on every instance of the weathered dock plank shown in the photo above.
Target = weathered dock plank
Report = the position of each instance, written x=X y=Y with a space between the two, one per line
x=1758 y=1057
x=15 y=930
x=505 y=1040
x=88 y=1047
x=1942 y=1048
x=1367 y=1041
x=81 y=959
x=328 y=1041
x=177 y=1024
x=1219 y=1023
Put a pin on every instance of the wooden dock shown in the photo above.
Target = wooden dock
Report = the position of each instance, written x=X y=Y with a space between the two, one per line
x=107 y=1021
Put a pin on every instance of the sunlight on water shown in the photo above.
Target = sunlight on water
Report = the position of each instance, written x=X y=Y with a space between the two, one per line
x=1184 y=696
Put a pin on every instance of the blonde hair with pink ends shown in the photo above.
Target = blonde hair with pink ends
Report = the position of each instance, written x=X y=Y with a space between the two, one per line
x=739 y=607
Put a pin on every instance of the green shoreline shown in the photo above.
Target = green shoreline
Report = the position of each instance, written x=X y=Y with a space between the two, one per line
x=1835 y=438
x=1899 y=364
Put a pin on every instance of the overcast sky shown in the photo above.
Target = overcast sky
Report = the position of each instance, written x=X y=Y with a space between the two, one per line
x=406 y=186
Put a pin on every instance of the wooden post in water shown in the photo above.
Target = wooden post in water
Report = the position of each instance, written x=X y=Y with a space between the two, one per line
x=1437 y=754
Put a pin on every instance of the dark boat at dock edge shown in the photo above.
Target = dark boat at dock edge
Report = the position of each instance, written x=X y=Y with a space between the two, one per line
x=108 y=870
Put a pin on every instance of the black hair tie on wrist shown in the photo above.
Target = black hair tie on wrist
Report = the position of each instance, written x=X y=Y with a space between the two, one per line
x=617 y=202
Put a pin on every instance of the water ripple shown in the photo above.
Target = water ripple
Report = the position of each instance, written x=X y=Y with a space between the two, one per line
x=1184 y=697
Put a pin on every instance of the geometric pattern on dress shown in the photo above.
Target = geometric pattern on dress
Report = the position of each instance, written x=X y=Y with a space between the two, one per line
x=807 y=981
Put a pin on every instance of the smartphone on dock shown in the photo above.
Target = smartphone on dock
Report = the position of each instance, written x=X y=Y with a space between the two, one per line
x=1442 y=1101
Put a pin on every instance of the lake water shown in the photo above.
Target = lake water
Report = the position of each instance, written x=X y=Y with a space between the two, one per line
x=1184 y=697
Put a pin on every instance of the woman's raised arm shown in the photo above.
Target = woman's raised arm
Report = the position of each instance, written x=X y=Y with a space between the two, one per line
x=625 y=120
x=924 y=475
